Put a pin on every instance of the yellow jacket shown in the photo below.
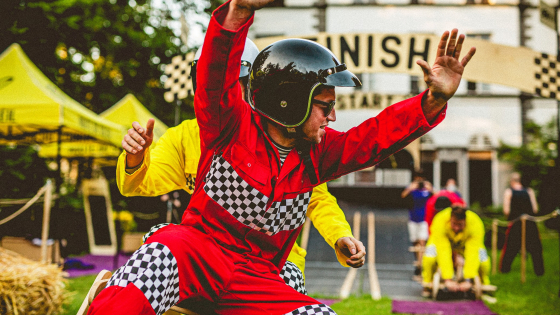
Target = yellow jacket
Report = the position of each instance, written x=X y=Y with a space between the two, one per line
x=171 y=164
x=467 y=243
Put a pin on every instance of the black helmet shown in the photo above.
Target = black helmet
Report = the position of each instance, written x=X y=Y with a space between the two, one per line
x=285 y=74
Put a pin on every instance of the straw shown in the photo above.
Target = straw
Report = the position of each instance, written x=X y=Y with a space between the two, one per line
x=29 y=287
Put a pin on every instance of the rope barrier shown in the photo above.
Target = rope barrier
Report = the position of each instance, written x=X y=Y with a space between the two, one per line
x=553 y=214
x=26 y=206
x=145 y=216
x=523 y=218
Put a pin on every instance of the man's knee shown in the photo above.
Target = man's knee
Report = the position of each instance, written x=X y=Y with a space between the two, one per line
x=293 y=277
x=153 y=270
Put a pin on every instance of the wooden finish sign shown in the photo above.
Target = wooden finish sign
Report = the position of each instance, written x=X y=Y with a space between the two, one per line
x=518 y=67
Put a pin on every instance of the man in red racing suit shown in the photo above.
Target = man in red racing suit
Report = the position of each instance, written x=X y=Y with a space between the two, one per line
x=248 y=206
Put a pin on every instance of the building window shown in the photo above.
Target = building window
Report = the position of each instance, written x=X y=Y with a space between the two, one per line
x=414 y=85
x=276 y=3
x=474 y=88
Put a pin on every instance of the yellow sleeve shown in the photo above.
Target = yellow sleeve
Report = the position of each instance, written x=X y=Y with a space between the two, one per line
x=328 y=219
x=167 y=166
x=439 y=238
x=474 y=232
x=297 y=256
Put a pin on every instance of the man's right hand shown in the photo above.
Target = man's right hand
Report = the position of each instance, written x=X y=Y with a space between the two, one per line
x=451 y=285
x=136 y=141
x=241 y=10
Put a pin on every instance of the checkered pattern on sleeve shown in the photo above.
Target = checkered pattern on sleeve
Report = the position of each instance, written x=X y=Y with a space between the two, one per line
x=191 y=179
x=321 y=309
x=288 y=214
x=153 y=270
x=547 y=75
x=152 y=230
x=293 y=277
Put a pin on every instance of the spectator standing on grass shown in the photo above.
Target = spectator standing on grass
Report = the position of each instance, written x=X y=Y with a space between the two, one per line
x=420 y=190
x=518 y=201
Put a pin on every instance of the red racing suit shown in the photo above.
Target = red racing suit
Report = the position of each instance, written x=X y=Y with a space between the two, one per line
x=247 y=211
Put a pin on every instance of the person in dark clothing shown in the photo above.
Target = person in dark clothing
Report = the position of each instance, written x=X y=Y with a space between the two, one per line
x=519 y=200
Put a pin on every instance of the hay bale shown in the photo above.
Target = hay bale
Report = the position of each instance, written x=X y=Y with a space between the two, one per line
x=29 y=287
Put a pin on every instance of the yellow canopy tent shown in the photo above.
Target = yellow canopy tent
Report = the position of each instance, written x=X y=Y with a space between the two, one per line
x=33 y=110
x=128 y=110
x=124 y=112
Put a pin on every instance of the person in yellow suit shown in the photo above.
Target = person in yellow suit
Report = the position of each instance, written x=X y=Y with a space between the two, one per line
x=172 y=165
x=457 y=237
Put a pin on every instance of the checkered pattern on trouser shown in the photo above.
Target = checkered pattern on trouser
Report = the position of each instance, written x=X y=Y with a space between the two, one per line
x=482 y=255
x=248 y=205
x=153 y=270
x=313 y=309
x=152 y=230
x=430 y=251
x=293 y=277
x=547 y=75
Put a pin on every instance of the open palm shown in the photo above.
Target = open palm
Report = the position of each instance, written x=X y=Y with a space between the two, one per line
x=444 y=76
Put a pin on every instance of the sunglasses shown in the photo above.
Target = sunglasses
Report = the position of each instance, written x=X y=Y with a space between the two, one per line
x=329 y=106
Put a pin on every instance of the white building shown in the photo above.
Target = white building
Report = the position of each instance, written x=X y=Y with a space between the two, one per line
x=479 y=117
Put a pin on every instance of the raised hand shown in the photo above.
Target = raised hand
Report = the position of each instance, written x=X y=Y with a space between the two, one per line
x=241 y=10
x=444 y=76
x=136 y=141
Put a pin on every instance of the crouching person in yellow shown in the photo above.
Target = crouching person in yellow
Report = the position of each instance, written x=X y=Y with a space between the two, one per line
x=456 y=237
x=172 y=165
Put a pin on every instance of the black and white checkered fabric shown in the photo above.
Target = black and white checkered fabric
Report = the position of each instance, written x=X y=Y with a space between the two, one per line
x=248 y=205
x=293 y=277
x=285 y=215
x=178 y=82
x=313 y=309
x=153 y=270
x=152 y=230
x=547 y=75
x=430 y=251
x=191 y=179
x=482 y=255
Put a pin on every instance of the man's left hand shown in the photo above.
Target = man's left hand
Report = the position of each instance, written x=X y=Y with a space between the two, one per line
x=354 y=249
x=444 y=76
x=465 y=286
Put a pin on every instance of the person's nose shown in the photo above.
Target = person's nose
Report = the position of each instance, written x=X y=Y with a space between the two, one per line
x=332 y=115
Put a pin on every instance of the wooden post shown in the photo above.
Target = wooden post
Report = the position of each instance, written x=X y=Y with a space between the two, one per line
x=372 y=272
x=523 y=248
x=351 y=276
x=305 y=234
x=494 y=245
x=46 y=221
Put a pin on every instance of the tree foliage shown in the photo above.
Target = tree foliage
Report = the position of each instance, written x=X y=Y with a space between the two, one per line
x=96 y=51
x=535 y=159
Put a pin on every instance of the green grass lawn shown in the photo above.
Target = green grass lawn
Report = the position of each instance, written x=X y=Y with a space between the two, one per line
x=538 y=295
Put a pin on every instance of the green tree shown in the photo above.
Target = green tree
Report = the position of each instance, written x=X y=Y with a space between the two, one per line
x=536 y=159
x=96 y=51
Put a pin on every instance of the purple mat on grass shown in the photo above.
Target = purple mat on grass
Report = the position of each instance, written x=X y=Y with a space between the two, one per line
x=99 y=263
x=441 y=308
x=328 y=302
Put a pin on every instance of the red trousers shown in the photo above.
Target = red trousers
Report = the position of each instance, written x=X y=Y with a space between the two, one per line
x=180 y=262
